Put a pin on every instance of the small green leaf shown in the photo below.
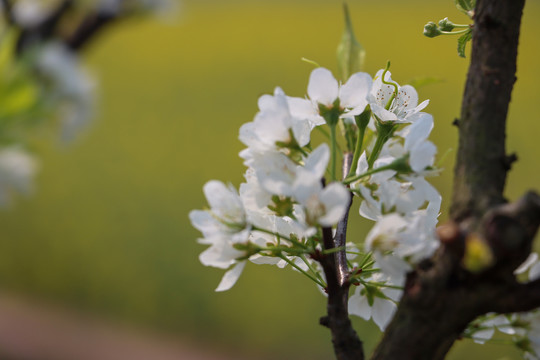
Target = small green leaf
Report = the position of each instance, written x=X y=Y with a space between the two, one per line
x=350 y=53
x=462 y=42
x=466 y=6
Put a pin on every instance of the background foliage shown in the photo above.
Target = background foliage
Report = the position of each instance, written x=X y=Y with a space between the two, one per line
x=107 y=229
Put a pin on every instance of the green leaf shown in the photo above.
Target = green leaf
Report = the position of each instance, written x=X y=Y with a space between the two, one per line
x=466 y=6
x=350 y=53
x=462 y=42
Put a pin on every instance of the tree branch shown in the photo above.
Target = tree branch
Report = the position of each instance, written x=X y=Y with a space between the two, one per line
x=347 y=345
x=481 y=167
x=441 y=296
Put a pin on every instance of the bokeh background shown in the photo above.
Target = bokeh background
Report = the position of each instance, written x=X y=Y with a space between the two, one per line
x=107 y=229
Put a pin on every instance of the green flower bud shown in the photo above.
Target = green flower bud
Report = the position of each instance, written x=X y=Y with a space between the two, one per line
x=446 y=25
x=362 y=120
x=431 y=30
x=350 y=53
x=330 y=115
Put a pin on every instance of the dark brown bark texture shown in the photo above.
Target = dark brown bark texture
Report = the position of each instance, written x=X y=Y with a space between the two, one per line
x=441 y=296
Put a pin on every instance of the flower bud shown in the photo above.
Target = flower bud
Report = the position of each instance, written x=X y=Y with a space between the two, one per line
x=431 y=30
x=350 y=53
x=446 y=25
x=478 y=254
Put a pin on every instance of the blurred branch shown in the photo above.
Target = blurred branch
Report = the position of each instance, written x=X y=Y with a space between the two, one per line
x=8 y=11
x=43 y=31
x=90 y=26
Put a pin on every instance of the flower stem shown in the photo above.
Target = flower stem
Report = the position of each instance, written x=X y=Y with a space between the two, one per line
x=294 y=241
x=349 y=180
x=385 y=131
x=333 y=152
x=362 y=122
x=319 y=282
x=311 y=268
x=455 y=32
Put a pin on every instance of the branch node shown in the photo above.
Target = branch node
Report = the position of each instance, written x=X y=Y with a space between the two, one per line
x=509 y=160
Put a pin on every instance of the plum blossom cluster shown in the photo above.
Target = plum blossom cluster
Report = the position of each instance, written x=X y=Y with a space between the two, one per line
x=299 y=189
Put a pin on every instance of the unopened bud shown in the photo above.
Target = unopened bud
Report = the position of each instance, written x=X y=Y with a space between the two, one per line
x=446 y=25
x=431 y=30
x=478 y=254
x=350 y=53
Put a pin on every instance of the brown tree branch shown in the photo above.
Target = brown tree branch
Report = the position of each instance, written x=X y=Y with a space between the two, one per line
x=441 y=296
x=347 y=345
x=481 y=166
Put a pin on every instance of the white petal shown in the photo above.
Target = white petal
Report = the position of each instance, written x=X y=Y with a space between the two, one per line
x=422 y=156
x=230 y=277
x=354 y=93
x=335 y=198
x=362 y=166
x=384 y=115
x=317 y=161
x=323 y=87
x=526 y=264
x=418 y=131
x=223 y=200
x=305 y=109
x=534 y=273
x=220 y=254
x=407 y=98
x=382 y=312
x=422 y=105
x=359 y=306
x=480 y=337
x=204 y=222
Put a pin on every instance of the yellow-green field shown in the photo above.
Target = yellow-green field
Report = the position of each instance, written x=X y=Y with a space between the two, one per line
x=107 y=228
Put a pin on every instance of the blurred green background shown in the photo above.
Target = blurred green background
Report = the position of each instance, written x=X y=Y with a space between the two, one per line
x=107 y=229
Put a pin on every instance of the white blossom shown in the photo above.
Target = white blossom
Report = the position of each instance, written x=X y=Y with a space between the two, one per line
x=383 y=304
x=68 y=84
x=324 y=89
x=17 y=170
x=404 y=108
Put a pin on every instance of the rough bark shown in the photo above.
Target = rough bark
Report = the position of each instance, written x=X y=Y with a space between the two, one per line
x=482 y=163
x=441 y=296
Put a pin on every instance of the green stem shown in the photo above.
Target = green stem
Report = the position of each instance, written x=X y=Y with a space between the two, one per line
x=286 y=249
x=295 y=242
x=319 y=282
x=379 y=143
x=357 y=151
x=333 y=152
x=462 y=26
x=333 y=250
x=349 y=180
x=385 y=131
x=383 y=285
x=366 y=260
x=311 y=268
x=455 y=32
